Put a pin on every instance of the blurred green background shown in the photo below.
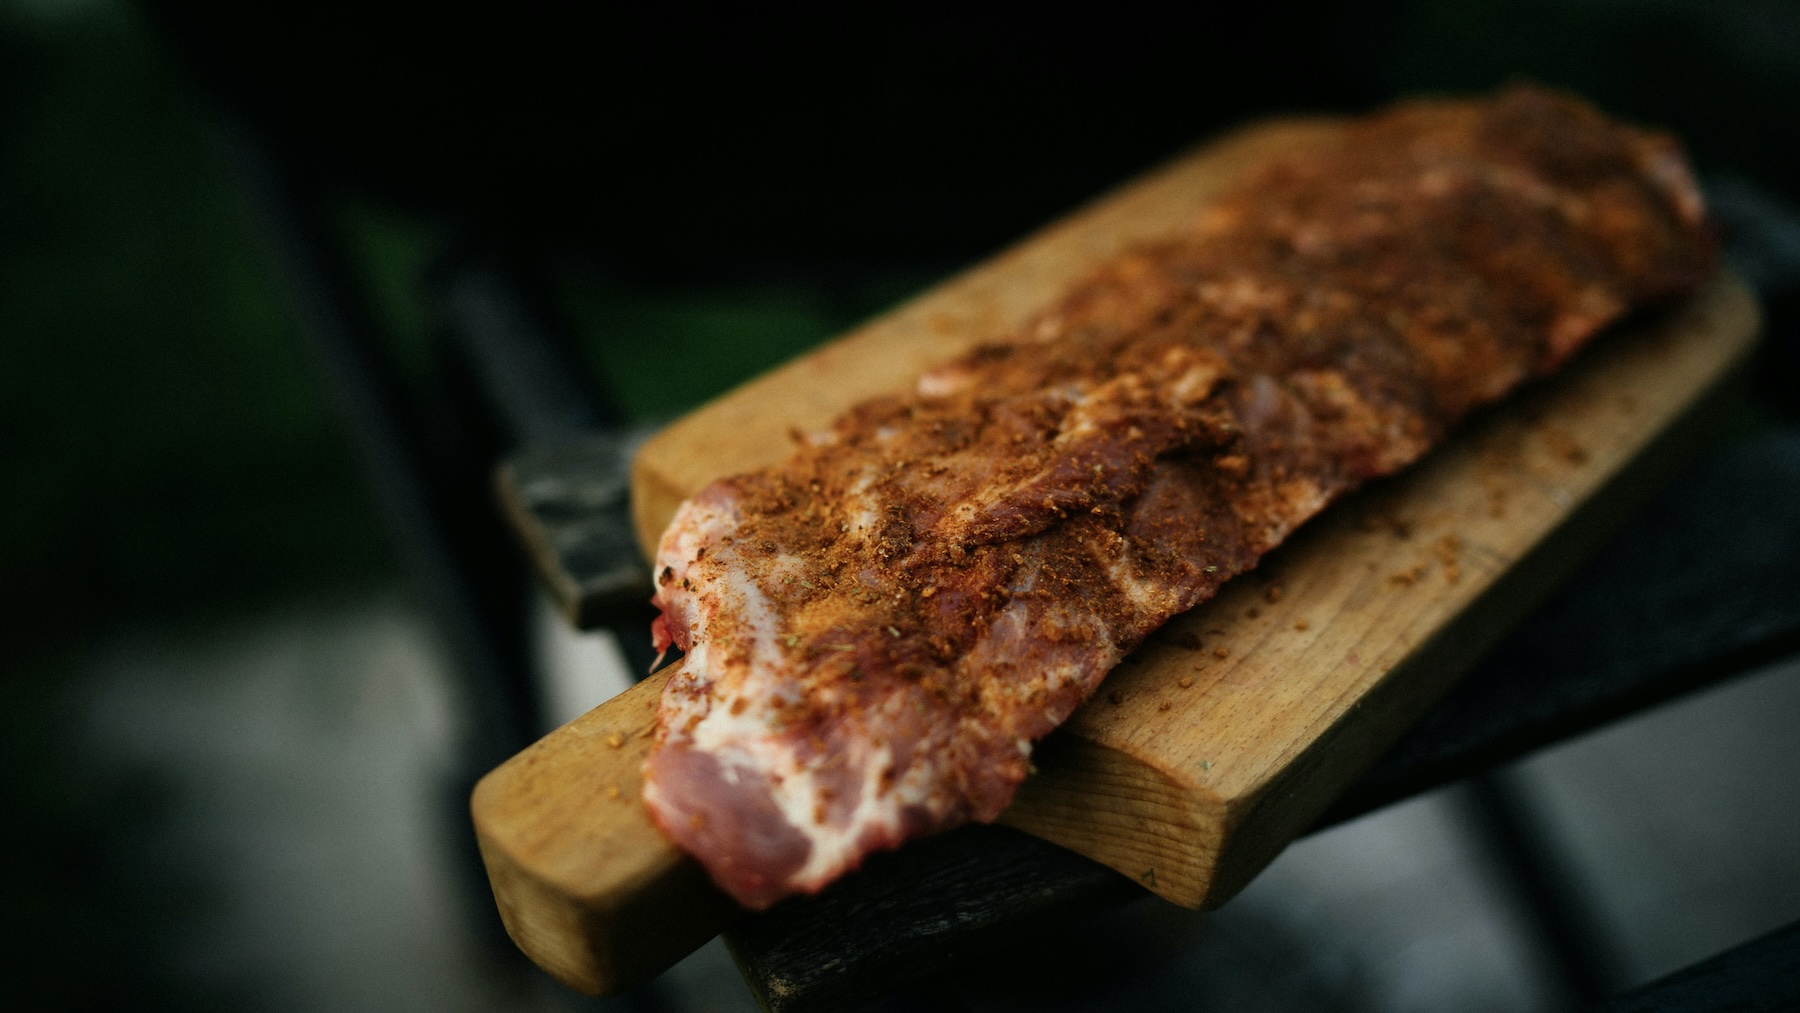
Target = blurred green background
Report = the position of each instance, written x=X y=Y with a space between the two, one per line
x=173 y=461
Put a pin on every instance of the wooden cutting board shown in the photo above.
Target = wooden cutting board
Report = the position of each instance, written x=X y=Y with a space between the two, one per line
x=1228 y=733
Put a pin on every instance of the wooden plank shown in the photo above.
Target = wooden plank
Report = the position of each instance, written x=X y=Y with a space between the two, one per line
x=1194 y=766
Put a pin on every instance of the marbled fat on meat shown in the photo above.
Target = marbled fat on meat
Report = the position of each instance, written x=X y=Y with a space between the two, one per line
x=877 y=630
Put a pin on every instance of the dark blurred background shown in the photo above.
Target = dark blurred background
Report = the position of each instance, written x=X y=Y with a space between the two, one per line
x=231 y=748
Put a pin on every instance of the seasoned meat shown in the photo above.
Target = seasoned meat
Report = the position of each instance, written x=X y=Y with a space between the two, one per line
x=877 y=630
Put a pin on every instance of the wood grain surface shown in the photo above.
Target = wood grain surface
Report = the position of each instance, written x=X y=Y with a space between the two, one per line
x=1234 y=728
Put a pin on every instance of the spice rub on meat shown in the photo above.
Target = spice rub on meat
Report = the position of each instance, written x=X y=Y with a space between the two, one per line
x=877 y=630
